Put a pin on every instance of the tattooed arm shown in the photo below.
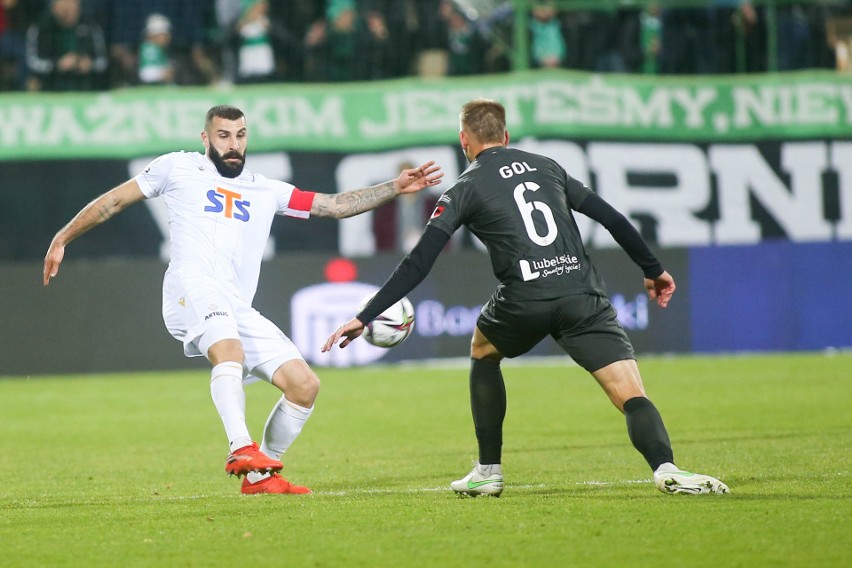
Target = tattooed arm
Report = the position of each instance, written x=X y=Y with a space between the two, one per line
x=347 y=204
x=96 y=212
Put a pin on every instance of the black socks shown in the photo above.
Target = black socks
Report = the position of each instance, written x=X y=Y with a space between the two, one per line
x=488 y=405
x=647 y=431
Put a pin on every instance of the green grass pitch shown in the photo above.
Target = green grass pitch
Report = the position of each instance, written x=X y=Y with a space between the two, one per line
x=127 y=470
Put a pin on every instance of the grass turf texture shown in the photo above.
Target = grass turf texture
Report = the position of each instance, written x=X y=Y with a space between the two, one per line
x=127 y=470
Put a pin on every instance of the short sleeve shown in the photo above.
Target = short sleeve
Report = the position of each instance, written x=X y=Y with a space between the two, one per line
x=446 y=215
x=153 y=180
x=294 y=202
x=577 y=192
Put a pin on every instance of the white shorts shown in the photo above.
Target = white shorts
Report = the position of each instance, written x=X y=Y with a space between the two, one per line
x=199 y=312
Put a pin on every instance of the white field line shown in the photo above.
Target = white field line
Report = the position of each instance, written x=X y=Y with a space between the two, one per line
x=627 y=482
x=380 y=491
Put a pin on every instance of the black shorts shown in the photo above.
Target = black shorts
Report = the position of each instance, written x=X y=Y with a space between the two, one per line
x=585 y=326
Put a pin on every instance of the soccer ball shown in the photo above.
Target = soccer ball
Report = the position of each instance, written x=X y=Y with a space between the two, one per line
x=392 y=326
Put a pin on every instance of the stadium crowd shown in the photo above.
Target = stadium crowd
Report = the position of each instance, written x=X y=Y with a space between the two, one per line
x=62 y=45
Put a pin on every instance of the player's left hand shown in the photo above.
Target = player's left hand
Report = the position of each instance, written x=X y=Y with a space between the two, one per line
x=661 y=288
x=350 y=330
x=415 y=179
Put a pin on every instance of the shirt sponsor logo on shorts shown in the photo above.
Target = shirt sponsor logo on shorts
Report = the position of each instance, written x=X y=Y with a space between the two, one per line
x=228 y=202
x=215 y=314
x=544 y=267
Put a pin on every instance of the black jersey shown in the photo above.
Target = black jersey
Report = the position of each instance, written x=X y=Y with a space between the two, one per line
x=520 y=205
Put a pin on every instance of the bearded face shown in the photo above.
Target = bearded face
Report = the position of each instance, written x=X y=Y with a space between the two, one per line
x=230 y=164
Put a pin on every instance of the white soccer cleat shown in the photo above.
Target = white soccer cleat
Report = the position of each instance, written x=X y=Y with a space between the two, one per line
x=482 y=480
x=672 y=480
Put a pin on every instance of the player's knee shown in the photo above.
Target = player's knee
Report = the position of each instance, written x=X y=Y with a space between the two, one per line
x=311 y=386
x=481 y=348
x=226 y=350
x=298 y=382
x=304 y=393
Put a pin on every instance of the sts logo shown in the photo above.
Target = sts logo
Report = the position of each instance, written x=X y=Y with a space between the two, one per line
x=227 y=201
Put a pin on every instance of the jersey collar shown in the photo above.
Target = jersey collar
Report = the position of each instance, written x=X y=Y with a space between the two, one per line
x=488 y=153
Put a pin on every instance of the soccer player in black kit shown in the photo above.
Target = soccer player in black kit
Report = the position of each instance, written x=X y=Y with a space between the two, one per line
x=520 y=205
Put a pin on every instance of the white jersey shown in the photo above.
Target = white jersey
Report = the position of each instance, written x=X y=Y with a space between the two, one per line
x=219 y=226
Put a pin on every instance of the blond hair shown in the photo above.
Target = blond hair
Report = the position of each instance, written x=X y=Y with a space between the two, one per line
x=485 y=120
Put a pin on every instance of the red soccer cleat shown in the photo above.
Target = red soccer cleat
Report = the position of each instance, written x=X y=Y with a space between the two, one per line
x=273 y=485
x=250 y=458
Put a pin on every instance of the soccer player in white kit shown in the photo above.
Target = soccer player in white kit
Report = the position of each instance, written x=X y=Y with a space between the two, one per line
x=220 y=215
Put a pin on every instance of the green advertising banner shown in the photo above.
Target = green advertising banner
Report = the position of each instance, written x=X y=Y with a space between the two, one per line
x=413 y=112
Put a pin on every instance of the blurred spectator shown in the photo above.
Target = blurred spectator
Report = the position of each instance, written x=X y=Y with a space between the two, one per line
x=224 y=38
x=465 y=45
x=618 y=47
x=344 y=40
x=256 y=60
x=547 y=44
x=649 y=21
x=189 y=38
x=340 y=47
x=838 y=38
x=750 y=43
x=315 y=40
x=794 y=28
x=605 y=40
x=496 y=28
x=417 y=32
x=686 y=44
x=728 y=37
x=155 y=64
x=820 y=18
x=16 y=16
x=291 y=19
x=803 y=43
x=375 y=41
x=345 y=47
x=96 y=11
x=63 y=52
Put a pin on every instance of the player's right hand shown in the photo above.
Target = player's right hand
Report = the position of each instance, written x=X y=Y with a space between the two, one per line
x=350 y=330
x=52 y=260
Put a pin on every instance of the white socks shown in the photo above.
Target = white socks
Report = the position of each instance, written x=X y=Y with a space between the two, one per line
x=666 y=468
x=283 y=426
x=226 y=388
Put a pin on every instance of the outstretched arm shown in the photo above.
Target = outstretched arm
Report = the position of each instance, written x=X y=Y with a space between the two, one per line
x=408 y=274
x=93 y=214
x=347 y=204
x=659 y=283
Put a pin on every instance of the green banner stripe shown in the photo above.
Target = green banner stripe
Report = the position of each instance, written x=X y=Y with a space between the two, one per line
x=389 y=114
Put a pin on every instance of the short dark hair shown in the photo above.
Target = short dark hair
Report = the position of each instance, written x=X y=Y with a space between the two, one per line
x=485 y=119
x=222 y=111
